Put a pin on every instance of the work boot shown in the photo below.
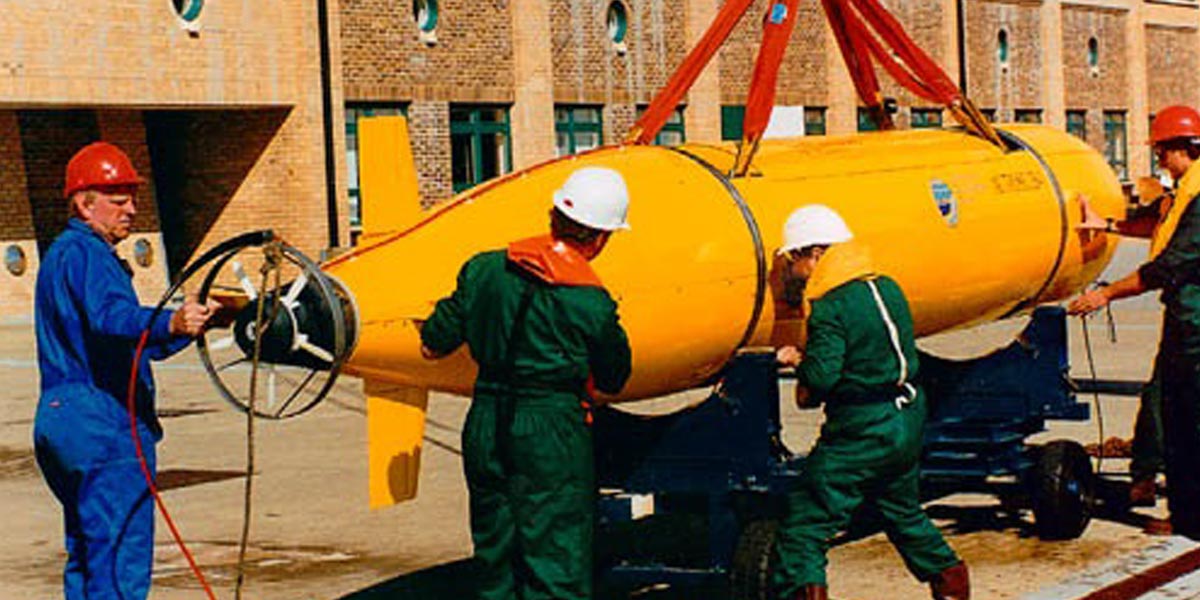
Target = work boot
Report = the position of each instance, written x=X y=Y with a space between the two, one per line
x=952 y=584
x=812 y=591
x=1143 y=492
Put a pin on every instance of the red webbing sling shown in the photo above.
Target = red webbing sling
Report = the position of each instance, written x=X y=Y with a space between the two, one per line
x=664 y=103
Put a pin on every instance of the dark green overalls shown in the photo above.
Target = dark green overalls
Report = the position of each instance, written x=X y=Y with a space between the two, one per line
x=1176 y=271
x=859 y=361
x=527 y=446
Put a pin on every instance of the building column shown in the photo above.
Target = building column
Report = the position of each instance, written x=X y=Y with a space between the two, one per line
x=842 y=115
x=532 y=116
x=1136 y=121
x=1053 y=88
x=703 y=112
x=950 y=40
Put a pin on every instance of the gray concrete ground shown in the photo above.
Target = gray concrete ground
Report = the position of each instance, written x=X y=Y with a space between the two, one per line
x=313 y=536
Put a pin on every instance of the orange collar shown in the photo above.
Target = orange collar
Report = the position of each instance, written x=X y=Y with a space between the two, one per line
x=552 y=261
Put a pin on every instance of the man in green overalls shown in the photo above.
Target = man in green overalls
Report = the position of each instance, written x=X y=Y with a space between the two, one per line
x=1174 y=268
x=543 y=330
x=859 y=360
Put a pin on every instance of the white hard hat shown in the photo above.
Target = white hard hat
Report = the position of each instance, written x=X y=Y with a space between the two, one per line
x=596 y=197
x=814 y=225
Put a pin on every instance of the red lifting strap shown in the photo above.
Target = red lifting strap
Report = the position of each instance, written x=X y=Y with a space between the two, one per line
x=778 y=24
x=660 y=109
x=864 y=30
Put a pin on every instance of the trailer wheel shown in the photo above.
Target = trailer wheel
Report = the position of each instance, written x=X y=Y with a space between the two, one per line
x=754 y=561
x=1063 y=491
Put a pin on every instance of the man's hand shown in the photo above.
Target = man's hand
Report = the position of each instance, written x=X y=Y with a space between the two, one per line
x=1089 y=301
x=190 y=319
x=788 y=356
x=1090 y=220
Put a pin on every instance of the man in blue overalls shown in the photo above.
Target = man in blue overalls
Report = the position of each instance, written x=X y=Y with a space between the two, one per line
x=88 y=323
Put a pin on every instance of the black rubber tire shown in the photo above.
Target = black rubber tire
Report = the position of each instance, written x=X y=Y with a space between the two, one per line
x=1063 y=491
x=754 y=561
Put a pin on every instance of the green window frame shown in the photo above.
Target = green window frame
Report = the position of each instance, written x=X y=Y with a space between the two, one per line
x=814 y=120
x=1116 y=143
x=1027 y=115
x=577 y=128
x=616 y=22
x=480 y=144
x=1077 y=123
x=354 y=112
x=673 y=132
x=188 y=10
x=865 y=122
x=732 y=119
x=925 y=118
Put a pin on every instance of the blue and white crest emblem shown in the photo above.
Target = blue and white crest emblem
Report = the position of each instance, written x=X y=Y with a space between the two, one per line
x=947 y=204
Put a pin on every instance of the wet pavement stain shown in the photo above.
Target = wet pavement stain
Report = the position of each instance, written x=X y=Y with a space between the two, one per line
x=264 y=563
x=17 y=463
x=172 y=479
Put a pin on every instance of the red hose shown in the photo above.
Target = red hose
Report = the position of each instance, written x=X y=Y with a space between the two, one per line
x=137 y=444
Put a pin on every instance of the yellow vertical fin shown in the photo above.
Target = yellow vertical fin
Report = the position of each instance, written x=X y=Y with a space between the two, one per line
x=387 y=175
x=395 y=430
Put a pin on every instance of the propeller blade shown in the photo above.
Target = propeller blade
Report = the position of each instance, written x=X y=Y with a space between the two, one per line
x=302 y=343
x=223 y=343
x=247 y=285
x=294 y=291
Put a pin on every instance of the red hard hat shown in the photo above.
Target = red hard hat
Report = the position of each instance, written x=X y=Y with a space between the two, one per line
x=99 y=164
x=1175 y=122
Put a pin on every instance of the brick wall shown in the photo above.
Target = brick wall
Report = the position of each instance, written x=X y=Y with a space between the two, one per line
x=16 y=217
x=72 y=76
x=385 y=59
x=16 y=220
x=990 y=84
x=1106 y=86
x=803 y=76
x=1171 y=67
x=589 y=68
x=430 y=136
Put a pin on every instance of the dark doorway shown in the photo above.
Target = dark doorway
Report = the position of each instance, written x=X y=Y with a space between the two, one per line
x=200 y=159
x=48 y=140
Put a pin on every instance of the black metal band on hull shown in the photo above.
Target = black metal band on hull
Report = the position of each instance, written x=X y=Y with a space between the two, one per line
x=1016 y=142
x=760 y=256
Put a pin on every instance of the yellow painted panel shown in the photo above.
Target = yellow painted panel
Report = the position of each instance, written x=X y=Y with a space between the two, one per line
x=395 y=431
x=388 y=192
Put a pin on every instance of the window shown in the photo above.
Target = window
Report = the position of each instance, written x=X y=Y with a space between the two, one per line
x=865 y=122
x=480 y=144
x=354 y=112
x=989 y=114
x=1002 y=47
x=1028 y=115
x=425 y=13
x=1116 y=149
x=814 y=120
x=926 y=118
x=731 y=122
x=1093 y=53
x=189 y=10
x=1077 y=123
x=577 y=128
x=671 y=133
x=617 y=21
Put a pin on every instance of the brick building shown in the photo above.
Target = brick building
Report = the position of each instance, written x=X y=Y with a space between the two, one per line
x=220 y=105
x=244 y=115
